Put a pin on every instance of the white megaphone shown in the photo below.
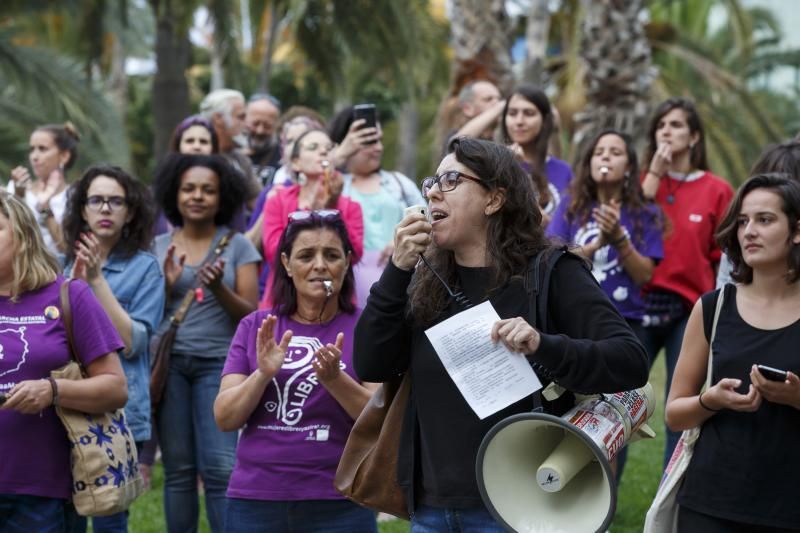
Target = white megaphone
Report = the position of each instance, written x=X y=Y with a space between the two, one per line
x=542 y=473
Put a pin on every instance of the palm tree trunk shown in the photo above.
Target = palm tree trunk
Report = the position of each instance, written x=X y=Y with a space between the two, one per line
x=537 y=31
x=269 y=47
x=170 y=88
x=408 y=130
x=480 y=42
x=118 y=78
x=619 y=69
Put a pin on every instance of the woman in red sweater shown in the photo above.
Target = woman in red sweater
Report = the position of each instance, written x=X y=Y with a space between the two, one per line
x=694 y=201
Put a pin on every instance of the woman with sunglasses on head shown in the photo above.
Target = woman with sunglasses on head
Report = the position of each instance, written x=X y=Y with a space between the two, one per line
x=109 y=218
x=481 y=239
x=319 y=186
x=694 y=201
x=528 y=122
x=382 y=194
x=289 y=381
x=745 y=464
x=199 y=195
x=53 y=151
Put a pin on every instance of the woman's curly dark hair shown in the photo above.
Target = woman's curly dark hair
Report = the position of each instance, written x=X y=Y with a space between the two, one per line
x=283 y=293
x=232 y=186
x=538 y=145
x=513 y=236
x=583 y=189
x=136 y=234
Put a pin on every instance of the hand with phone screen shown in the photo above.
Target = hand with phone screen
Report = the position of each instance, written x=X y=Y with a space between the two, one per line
x=768 y=381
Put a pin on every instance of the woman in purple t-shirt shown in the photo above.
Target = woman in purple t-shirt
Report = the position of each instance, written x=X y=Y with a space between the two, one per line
x=289 y=383
x=35 y=476
x=528 y=122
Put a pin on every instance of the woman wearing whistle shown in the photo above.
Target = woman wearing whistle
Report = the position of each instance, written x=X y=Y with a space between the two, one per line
x=481 y=238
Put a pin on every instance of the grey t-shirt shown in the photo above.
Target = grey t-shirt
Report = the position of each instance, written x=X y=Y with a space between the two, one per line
x=207 y=329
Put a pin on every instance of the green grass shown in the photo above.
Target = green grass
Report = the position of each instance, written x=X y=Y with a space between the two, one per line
x=639 y=483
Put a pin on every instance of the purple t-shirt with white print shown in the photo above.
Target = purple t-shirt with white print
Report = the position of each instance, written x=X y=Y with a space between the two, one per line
x=292 y=443
x=559 y=176
x=34 y=451
x=606 y=267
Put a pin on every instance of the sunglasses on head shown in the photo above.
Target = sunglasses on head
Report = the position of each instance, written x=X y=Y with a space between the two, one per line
x=319 y=214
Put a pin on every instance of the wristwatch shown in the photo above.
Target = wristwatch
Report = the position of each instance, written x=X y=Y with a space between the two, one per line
x=44 y=214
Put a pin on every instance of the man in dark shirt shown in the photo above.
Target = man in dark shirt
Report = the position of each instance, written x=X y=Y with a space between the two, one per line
x=261 y=118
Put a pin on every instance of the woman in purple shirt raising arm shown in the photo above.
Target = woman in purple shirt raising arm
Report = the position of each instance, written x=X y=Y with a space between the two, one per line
x=289 y=382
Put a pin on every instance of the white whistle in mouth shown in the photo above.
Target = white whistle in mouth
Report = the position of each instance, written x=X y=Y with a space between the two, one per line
x=328 y=288
x=604 y=171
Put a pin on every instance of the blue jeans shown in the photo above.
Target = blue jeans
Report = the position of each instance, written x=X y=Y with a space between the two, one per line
x=428 y=519
x=191 y=443
x=670 y=338
x=22 y=514
x=307 y=516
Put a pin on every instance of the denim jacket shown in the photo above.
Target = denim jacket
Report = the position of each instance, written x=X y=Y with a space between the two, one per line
x=138 y=285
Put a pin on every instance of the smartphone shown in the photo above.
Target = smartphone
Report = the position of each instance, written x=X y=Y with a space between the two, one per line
x=421 y=209
x=3 y=398
x=772 y=374
x=369 y=114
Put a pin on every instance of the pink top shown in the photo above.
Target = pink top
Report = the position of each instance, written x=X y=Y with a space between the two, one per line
x=276 y=218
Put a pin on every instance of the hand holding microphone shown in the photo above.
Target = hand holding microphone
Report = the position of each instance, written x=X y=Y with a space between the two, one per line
x=411 y=237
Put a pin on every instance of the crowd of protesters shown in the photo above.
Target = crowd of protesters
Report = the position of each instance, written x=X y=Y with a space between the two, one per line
x=291 y=243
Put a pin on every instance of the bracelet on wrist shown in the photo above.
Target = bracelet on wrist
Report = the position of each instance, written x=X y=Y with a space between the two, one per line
x=54 y=388
x=619 y=241
x=704 y=406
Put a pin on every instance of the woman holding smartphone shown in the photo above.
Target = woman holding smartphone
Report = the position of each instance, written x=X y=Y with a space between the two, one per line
x=741 y=475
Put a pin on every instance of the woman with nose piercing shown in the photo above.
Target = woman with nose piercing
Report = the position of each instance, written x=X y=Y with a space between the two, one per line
x=694 y=201
x=318 y=186
x=199 y=195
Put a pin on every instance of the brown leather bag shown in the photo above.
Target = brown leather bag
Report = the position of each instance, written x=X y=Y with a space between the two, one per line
x=367 y=472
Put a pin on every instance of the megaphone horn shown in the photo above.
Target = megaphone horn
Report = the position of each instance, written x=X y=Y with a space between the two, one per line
x=541 y=473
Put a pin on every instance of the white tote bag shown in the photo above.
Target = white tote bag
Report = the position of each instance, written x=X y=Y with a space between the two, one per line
x=662 y=517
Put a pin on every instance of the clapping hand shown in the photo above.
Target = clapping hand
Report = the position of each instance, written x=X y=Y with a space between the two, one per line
x=327 y=360
x=211 y=274
x=270 y=354
x=172 y=269
x=87 y=258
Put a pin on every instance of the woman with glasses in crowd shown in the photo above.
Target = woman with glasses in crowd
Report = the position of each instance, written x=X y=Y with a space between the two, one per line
x=35 y=473
x=481 y=238
x=694 y=202
x=289 y=382
x=109 y=219
x=53 y=151
x=199 y=195
x=745 y=466
x=318 y=186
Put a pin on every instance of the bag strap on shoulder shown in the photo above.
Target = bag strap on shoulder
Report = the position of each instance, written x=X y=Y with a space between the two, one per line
x=718 y=308
x=66 y=316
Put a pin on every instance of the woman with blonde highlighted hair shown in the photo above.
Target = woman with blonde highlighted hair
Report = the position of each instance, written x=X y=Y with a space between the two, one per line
x=35 y=482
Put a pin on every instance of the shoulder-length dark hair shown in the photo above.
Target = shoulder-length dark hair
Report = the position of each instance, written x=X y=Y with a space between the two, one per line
x=232 y=187
x=785 y=186
x=284 y=294
x=583 y=189
x=697 y=156
x=136 y=234
x=188 y=122
x=514 y=232
x=537 y=146
x=783 y=158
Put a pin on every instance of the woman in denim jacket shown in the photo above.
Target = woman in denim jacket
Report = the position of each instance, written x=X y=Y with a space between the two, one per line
x=109 y=221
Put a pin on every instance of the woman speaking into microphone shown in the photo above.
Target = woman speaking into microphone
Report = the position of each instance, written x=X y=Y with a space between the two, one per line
x=481 y=238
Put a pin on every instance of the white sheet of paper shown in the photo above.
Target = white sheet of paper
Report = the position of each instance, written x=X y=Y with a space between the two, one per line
x=489 y=376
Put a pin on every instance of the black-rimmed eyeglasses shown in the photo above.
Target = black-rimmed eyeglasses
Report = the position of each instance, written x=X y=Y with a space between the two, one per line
x=115 y=203
x=448 y=181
